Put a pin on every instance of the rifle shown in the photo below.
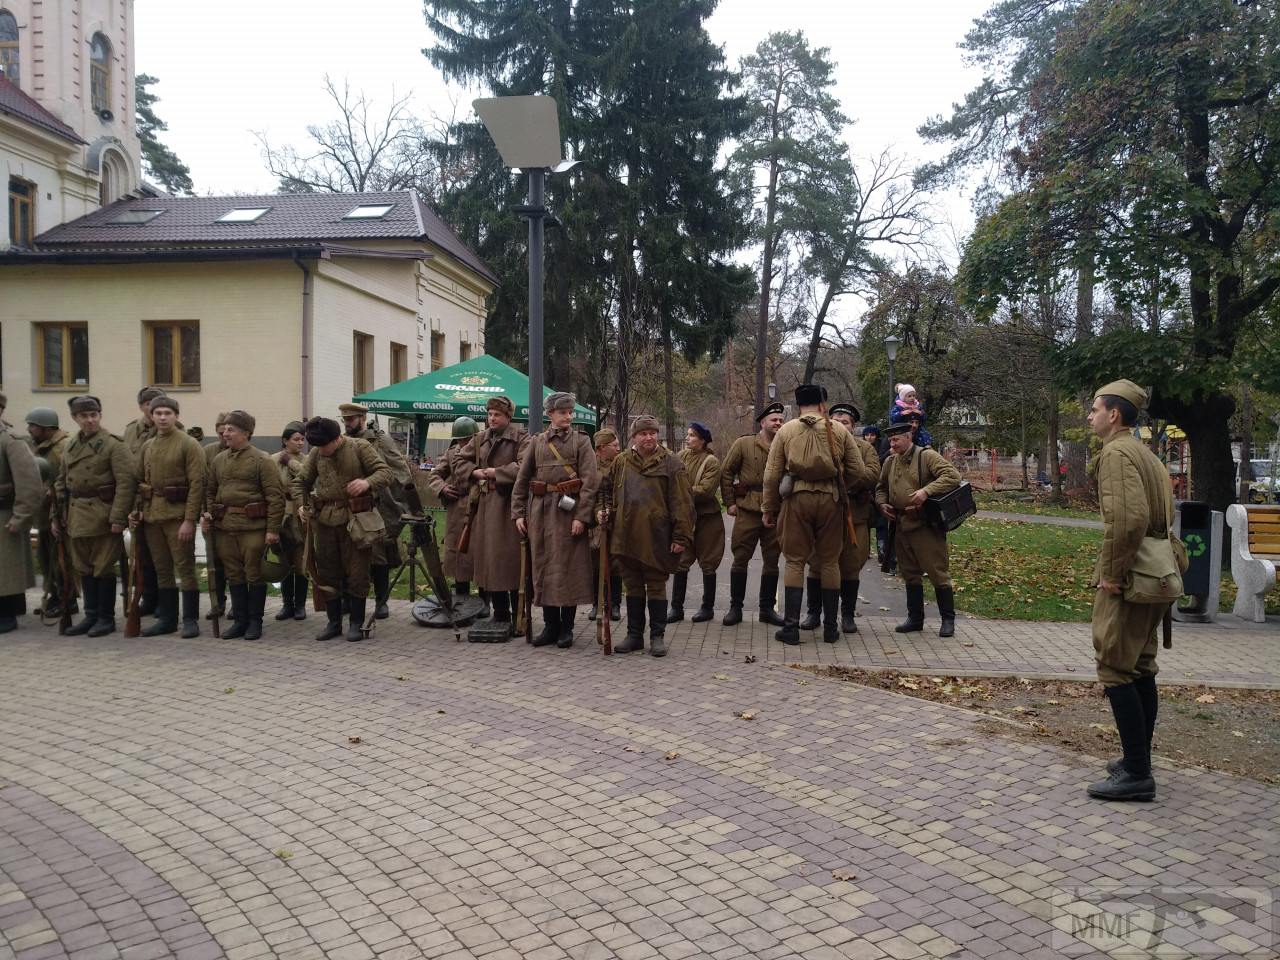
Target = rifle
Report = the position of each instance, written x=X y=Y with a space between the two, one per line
x=524 y=615
x=850 y=528
x=133 y=618
x=211 y=552
x=604 y=602
x=67 y=590
x=318 y=601
x=473 y=504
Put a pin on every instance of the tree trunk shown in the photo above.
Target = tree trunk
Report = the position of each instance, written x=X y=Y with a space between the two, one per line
x=766 y=280
x=1026 y=481
x=1204 y=420
x=668 y=377
x=815 y=338
x=1246 y=442
x=1077 y=476
x=1051 y=442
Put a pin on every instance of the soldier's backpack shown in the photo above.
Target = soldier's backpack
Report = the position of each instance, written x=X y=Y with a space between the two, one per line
x=808 y=454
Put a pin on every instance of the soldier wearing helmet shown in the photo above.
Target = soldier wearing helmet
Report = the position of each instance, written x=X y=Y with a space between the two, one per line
x=49 y=443
x=450 y=480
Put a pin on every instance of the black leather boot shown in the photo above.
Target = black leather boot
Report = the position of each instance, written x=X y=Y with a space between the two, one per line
x=88 y=590
x=708 y=608
x=1133 y=780
x=849 y=605
x=658 y=620
x=239 y=611
x=769 y=599
x=550 y=627
x=355 y=624
x=381 y=577
x=106 y=612
x=565 y=640
x=487 y=611
x=679 y=584
x=792 y=600
x=286 y=599
x=1150 y=699
x=257 y=607
x=190 y=614
x=813 y=608
x=634 y=639
x=219 y=578
x=301 y=586
x=615 y=605
x=333 y=628
x=501 y=606
x=166 y=614
x=947 y=611
x=462 y=588
x=737 y=594
x=830 y=614
x=915 y=610
x=150 y=602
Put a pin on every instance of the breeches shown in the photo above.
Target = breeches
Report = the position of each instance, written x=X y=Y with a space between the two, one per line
x=811 y=528
x=168 y=554
x=96 y=556
x=241 y=555
x=923 y=551
x=337 y=559
x=708 y=544
x=1124 y=638
x=748 y=531
x=639 y=580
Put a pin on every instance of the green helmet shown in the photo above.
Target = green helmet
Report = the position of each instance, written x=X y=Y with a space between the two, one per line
x=43 y=417
x=273 y=567
x=464 y=427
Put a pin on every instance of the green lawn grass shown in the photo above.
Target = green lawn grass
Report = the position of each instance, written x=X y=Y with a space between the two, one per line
x=1012 y=501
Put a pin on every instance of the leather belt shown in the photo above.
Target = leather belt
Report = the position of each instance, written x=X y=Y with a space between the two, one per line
x=539 y=489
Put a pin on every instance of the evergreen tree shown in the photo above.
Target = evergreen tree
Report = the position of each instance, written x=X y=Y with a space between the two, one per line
x=160 y=162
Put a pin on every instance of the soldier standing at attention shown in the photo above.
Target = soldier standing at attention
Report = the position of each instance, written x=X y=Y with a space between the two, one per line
x=552 y=503
x=340 y=479
x=702 y=468
x=21 y=496
x=246 y=505
x=171 y=477
x=1136 y=499
x=810 y=517
x=50 y=443
x=213 y=563
x=607 y=449
x=136 y=433
x=293 y=590
x=495 y=454
x=450 y=480
x=742 y=487
x=650 y=510
x=95 y=489
x=910 y=476
x=391 y=503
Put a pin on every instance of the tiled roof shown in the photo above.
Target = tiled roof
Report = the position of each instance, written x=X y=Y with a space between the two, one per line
x=306 y=217
x=17 y=104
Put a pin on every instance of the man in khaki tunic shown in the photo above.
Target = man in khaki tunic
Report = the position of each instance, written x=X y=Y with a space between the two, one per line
x=702 y=468
x=552 y=503
x=495 y=454
x=213 y=563
x=171 y=477
x=246 y=506
x=95 y=490
x=910 y=476
x=49 y=442
x=136 y=433
x=1136 y=500
x=21 y=496
x=607 y=450
x=450 y=481
x=811 y=517
x=742 y=488
x=340 y=478
x=293 y=590
x=649 y=509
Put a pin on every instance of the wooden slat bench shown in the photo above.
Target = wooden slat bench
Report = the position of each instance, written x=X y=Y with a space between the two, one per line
x=1255 y=557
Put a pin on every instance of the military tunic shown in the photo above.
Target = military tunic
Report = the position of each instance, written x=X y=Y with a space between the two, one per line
x=495 y=544
x=853 y=557
x=920 y=548
x=95 y=490
x=292 y=538
x=212 y=560
x=651 y=508
x=246 y=499
x=562 y=574
x=454 y=470
x=321 y=486
x=1135 y=496
x=391 y=504
x=171 y=476
x=52 y=450
x=743 y=470
x=21 y=493
x=703 y=472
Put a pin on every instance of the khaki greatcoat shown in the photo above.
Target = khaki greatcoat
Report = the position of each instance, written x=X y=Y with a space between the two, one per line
x=241 y=477
x=20 y=495
x=921 y=549
x=94 y=468
x=651 y=508
x=176 y=461
x=495 y=544
x=454 y=470
x=744 y=464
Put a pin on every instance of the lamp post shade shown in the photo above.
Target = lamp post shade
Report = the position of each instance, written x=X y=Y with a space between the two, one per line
x=526 y=130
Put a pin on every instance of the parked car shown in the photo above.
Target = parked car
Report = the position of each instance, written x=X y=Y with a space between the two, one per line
x=1263 y=488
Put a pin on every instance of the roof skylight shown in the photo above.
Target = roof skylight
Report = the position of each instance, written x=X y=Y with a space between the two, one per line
x=243 y=215
x=135 y=216
x=373 y=211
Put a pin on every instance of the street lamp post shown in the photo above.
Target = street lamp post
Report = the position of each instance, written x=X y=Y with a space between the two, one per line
x=891 y=344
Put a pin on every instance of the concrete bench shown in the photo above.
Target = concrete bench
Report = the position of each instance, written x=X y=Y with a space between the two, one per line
x=1255 y=557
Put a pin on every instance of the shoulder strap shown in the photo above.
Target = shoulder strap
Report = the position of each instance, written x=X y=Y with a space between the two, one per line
x=573 y=474
x=702 y=468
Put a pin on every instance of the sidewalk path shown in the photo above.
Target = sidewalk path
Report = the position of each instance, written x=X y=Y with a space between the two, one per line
x=1037 y=518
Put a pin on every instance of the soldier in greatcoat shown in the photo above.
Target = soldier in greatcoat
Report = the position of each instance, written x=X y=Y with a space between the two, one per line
x=742 y=488
x=95 y=490
x=213 y=563
x=171 y=476
x=337 y=485
x=245 y=504
x=607 y=450
x=650 y=512
x=702 y=467
x=908 y=477
x=49 y=442
x=21 y=495
x=450 y=480
x=293 y=589
x=494 y=454
x=135 y=434
x=552 y=505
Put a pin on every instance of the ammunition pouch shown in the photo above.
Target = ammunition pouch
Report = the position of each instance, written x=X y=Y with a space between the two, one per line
x=742 y=489
x=175 y=494
x=106 y=493
x=540 y=489
x=253 y=511
x=360 y=504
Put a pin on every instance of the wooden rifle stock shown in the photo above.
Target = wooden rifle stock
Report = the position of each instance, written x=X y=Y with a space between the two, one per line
x=604 y=609
x=133 y=618
x=68 y=591
x=210 y=570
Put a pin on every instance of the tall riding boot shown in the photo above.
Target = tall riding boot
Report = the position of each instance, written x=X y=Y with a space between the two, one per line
x=257 y=607
x=1150 y=698
x=381 y=576
x=166 y=614
x=679 y=584
x=333 y=628
x=550 y=627
x=615 y=604
x=769 y=600
x=88 y=590
x=830 y=614
x=1133 y=780
x=813 y=608
x=658 y=620
x=355 y=626
x=707 y=610
x=106 y=622
x=915 y=610
x=849 y=606
x=462 y=588
x=239 y=611
x=150 y=602
x=286 y=598
x=634 y=640
x=947 y=611
x=565 y=640
x=301 y=587
x=190 y=614
x=501 y=606
x=792 y=600
x=737 y=594
x=595 y=591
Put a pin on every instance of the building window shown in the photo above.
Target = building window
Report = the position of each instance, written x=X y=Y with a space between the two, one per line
x=173 y=353
x=362 y=367
x=100 y=73
x=464 y=351
x=437 y=350
x=22 y=212
x=64 y=354
x=399 y=362
x=9 y=47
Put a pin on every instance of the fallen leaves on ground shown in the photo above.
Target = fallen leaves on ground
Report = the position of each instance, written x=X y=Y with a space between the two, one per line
x=229 y=690
x=283 y=854
x=1206 y=698
x=355 y=740
x=843 y=875
x=722 y=676
x=745 y=714
x=671 y=755
x=749 y=658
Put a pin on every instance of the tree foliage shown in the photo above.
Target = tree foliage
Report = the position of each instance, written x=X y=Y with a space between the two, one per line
x=159 y=162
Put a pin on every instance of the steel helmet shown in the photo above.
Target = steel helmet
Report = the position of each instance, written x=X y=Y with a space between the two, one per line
x=43 y=417
x=274 y=569
x=464 y=427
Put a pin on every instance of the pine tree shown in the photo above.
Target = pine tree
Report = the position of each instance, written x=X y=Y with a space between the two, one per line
x=160 y=162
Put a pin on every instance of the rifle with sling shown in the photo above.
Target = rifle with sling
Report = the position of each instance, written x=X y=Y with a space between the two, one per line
x=850 y=529
x=211 y=576
x=604 y=600
x=318 y=590
x=68 y=590
x=133 y=616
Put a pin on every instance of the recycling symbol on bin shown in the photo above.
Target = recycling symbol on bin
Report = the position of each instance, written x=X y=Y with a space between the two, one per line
x=1195 y=544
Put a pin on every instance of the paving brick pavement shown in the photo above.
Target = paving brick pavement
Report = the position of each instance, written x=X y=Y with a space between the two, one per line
x=203 y=798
